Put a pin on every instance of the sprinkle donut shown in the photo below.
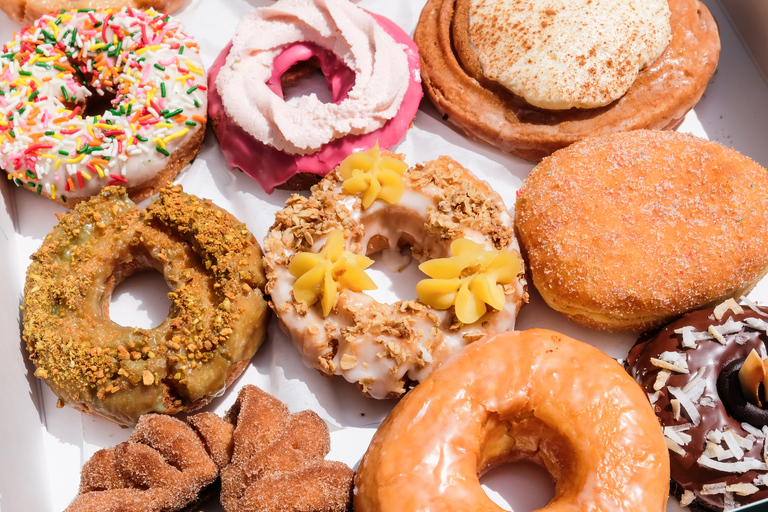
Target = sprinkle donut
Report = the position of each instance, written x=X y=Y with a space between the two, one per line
x=371 y=67
x=140 y=67
x=695 y=371
x=316 y=255
x=532 y=395
x=216 y=322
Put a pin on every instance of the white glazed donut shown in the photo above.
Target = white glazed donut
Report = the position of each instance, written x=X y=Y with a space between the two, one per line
x=53 y=72
x=314 y=257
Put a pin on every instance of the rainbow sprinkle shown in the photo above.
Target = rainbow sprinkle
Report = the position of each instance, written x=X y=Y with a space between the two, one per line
x=51 y=143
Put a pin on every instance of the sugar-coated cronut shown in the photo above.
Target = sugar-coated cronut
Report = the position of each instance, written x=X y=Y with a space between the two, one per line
x=457 y=227
x=92 y=98
x=163 y=467
x=278 y=461
x=485 y=110
x=533 y=395
x=628 y=231
x=216 y=322
x=27 y=11
x=716 y=436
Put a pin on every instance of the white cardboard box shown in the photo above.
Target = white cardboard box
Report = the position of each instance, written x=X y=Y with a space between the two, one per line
x=42 y=448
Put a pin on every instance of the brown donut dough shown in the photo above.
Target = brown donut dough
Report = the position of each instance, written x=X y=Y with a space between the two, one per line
x=26 y=12
x=629 y=231
x=660 y=97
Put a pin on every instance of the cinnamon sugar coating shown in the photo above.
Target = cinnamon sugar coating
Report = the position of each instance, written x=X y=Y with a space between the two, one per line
x=216 y=322
x=161 y=468
x=627 y=232
x=278 y=461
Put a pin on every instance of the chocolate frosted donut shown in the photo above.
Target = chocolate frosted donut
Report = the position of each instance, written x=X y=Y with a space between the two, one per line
x=716 y=437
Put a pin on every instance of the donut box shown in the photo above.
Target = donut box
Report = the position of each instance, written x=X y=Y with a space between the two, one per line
x=42 y=447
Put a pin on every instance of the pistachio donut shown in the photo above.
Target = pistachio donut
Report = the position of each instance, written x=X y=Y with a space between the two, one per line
x=317 y=251
x=216 y=322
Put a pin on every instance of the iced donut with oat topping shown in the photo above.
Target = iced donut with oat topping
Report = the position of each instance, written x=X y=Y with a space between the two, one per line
x=372 y=69
x=317 y=251
x=139 y=67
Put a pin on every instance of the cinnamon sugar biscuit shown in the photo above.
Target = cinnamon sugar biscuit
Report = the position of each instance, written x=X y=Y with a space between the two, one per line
x=659 y=98
x=627 y=232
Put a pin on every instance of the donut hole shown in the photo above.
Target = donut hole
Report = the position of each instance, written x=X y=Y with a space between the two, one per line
x=395 y=273
x=307 y=80
x=503 y=485
x=140 y=300
x=97 y=104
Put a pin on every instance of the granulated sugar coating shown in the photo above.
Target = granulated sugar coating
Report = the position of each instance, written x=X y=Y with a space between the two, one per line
x=629 y=231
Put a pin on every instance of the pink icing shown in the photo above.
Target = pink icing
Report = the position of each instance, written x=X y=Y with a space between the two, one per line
x=271 y=167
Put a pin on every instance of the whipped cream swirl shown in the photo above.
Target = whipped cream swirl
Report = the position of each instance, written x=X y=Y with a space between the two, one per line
x=378 y=61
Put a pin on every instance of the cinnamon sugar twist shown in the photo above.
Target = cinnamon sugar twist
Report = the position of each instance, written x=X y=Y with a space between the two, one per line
x=162 y=467
x=268 y=460
x=278 y=461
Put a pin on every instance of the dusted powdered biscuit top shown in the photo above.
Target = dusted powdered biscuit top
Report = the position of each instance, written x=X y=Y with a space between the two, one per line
x=568 y=53
x=629 y=231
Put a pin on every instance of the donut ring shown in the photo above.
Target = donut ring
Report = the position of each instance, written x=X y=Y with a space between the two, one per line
x=56 y=75
x=650 y=232
x=245 y=79
x=659 y=98
x=216 y=322
x=533 y=395
x=685 y=359
x=385 y=348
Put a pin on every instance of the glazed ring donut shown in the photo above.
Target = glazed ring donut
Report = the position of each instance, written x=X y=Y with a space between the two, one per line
x=315 y=261
x=533 y=395
x=371 y=67
x=658 y=223
x=715 y=434
x=216 y=322
x=139 y=67
x=26 y=12
x=659 y=98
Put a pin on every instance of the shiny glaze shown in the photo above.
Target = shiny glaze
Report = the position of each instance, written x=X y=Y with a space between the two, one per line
x=534 y=395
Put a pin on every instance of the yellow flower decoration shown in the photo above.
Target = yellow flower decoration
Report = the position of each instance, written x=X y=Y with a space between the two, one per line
x=374 y=176
x=320 y=275
x=469 y=280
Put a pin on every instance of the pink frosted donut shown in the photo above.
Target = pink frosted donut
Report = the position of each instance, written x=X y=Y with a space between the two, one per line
x=371 y=66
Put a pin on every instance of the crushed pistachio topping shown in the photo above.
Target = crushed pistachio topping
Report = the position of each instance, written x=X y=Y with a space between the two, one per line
x=469 y=280
x=374 y=176
x=320 y=275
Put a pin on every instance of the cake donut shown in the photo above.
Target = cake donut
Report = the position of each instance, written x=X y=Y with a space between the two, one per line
x=216 y=322
x=715 y=432
x=631 y=230
x=533 y=77
x=455 y=224
x=91 y=98
x=371 y=67
x=533 y=395
x=26 y=12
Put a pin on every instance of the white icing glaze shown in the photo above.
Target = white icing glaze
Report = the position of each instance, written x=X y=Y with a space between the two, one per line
x=380 y=371
x=378 y=61
x=151 y=49
x=559 y=54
